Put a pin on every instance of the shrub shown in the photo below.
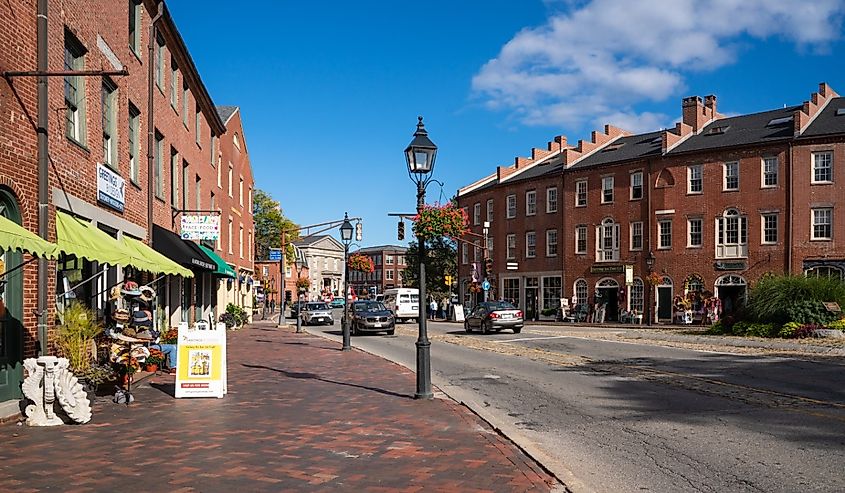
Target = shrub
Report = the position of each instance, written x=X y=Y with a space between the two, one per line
x=806 y=330
x=75 y=336
x=837 y=324
x=549 y=311
x=762 y=330
x=772 y=296
x=718 y=329
x=740 y=328
x=809 y=312
x=788 y=329
x=228 y=319
x=239 y=315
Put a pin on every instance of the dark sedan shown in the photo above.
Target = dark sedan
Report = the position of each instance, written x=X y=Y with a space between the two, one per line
x=370 y=316
x=494 y=315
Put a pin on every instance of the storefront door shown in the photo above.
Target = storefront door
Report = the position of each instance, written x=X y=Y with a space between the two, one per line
x=531 y=304
x=664 y=303
x=11 y=311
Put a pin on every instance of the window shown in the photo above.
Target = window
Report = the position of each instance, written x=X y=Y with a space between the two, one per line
x=664 y=234
x=637 y=185
x=198 y=126
x=551 y=200
x=185 y=103
x=198 y=193
x=174 y=84
x=185 y=185
x=229 y=238
x=511 y=253
x=551 y=292
x=74 y=90
x=825 y=272
x=135 y=26
x=530 y=244
x=551 y=243
x=694 y=230
x=159 y=165
x=637 y=235
x=241 y=242
x=531 y=203
x=822 y=224
x=694 y=182
x=134 y=136
x=580 y=292
x=770 y=229
x=607 y=241
x=580 y=239
x=476 y=214
x=230 y=179
x=731 y=176
x=770 y=172
x=174 y=178
x=637 y=291
x=109 y=108
x=388 y=260
x=159 y=62
x=823 y=167
x=511 y=291
x=388 y=275
x=489 y=210
x=731 y=235
x=214 y=156
x=511 y=206
x=476 y=251
x=581 y=193
x=464 y=254
x=607 y=190
x=241 y=191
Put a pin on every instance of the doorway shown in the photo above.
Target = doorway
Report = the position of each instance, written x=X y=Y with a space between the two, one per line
x=608 y=290
x=730 y=290
x=11 y=310
x=664 y=300
x=531 y=304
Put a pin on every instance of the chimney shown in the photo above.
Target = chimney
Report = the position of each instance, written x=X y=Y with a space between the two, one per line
x=710 y=104
x=694 y=113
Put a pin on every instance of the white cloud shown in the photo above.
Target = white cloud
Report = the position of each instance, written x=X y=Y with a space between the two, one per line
x=599 y=59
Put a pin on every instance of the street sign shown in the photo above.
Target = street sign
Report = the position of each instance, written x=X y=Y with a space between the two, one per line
x=275 y=254
x=485 y=285
x=512 y=266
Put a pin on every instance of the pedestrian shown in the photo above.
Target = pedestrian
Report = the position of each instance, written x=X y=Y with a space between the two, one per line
x=432 y=309
x=273 y=306
x=446 y=308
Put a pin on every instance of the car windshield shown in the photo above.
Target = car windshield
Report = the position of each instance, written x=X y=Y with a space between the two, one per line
x=500 y=305
x=316 y=306
x=369 y=306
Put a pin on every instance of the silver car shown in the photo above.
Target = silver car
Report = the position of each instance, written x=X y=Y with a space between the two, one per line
x=316 y=313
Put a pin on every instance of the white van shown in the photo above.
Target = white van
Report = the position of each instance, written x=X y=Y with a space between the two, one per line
x=404 y=302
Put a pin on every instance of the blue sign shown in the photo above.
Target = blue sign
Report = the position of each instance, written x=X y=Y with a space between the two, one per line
x=485 y=285
x=275 y=254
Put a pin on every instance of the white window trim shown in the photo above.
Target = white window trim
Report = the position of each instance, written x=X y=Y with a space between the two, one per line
x=763 y=228
x=586 y=190
x=528 y=203
x=642 y=185
x=700 y=232
x=631 y=247
x=813 y=168
x=476 y=214
x=725 y=176
x=548 y=202
x=603 y=189
x=490 y=210
x=763 y=171
x=510 y=213
x=529 y=234
x=510 y=250
x=813 y=236
x=660 y=245
x=742 y=248
x=700 y=169
x=586 y=240
x=548 y=231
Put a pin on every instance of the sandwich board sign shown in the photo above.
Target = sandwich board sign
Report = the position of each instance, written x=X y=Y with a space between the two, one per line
x=201 y=361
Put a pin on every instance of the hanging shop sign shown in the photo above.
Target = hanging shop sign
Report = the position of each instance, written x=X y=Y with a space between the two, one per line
x=201 y=227
x=725 y=265
x=629 y=275
x=111 y=188
x=201 y=361
x=607 y=269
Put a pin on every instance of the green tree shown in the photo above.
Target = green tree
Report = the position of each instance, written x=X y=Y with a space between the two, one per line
x=441 y=259
x=270 y=221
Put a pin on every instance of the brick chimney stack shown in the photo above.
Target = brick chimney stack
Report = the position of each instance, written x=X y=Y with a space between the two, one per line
x=710 y=104
x=694 y=112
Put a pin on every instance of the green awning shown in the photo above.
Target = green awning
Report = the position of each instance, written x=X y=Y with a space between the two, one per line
x=77 y=237
x=223 y=269
x=157 y=263
x=16 y=237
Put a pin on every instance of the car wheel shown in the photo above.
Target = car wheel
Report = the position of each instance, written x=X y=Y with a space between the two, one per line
x=467 y=328
x=485 y=327
x=517 y=330
x=391 y=331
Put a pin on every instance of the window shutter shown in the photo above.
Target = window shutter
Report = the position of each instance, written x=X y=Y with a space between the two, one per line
x=743 y=230
x=615 y=241
x=598 y=243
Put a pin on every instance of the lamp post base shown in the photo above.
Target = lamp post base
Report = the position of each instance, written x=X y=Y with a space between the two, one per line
x=423 y=371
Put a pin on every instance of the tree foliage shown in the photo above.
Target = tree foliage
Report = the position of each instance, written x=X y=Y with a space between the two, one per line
x=270 y=221
x=440 y=260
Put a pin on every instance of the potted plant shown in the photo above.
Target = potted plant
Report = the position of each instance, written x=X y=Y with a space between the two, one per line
x=440 y=220
x=154 y=361
x=75 y=337
x=361 y=263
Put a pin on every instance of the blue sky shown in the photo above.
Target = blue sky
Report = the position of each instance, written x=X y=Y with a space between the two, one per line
x=330 y=91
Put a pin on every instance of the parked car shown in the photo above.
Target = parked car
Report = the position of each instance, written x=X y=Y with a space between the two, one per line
x=316 y=312
x=338 y=303
x=370 y=316
x=403 y=302
x=294 y=308
x=494 y=315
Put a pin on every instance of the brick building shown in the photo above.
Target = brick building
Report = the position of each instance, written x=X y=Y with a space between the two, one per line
x=389 y=262
x=714 y=204
x=98 y=175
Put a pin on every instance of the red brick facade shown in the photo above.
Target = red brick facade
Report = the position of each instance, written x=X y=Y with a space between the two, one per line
x=389 y=262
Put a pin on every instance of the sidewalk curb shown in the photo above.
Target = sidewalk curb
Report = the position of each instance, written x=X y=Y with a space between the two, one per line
x=567 y=481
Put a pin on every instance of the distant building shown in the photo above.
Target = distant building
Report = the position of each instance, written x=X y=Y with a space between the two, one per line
x=389 y=261
x=324 y=256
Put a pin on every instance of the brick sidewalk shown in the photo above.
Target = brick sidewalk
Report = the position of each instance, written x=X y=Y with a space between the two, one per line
x=300 y=416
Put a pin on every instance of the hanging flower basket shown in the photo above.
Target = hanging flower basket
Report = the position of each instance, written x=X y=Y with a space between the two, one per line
x=653 y=279
x=361 y=263
x=436 y=220
x=303 y=283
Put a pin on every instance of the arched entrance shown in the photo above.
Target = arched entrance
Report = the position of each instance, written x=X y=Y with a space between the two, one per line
x=664 y=300
x=607 y=291
x=11 y=309
x=731 y=290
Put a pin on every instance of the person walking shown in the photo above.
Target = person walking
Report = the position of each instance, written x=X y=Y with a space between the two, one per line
x=432 y=309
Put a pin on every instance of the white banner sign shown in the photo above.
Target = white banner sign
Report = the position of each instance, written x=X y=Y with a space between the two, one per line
x=201 y=227
x=201 y=361
x=111 y=188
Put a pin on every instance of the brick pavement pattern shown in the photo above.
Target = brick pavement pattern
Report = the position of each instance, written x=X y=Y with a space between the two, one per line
x=300 y=415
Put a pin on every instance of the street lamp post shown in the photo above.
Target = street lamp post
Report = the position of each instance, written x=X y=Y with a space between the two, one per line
x=649 y=261
x=420 y=155
x=346 y=238
x=299 y=263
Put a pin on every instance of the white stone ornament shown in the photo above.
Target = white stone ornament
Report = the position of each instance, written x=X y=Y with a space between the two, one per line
x=49 y=380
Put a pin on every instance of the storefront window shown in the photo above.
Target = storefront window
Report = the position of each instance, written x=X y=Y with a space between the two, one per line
x=637 y=291
x=511 y=291
x=551 y=292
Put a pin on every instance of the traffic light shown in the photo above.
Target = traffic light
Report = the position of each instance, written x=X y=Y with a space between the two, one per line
x=401 y=233
x=448 y=279
x=358 y=234
x=488 y=266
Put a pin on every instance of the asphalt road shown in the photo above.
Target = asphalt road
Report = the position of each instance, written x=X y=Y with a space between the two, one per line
x=628 y=417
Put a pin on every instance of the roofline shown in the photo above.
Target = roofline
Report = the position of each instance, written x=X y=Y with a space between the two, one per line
x=237 y=109
x=179 y=48
x=476 y=185
x=531 y=165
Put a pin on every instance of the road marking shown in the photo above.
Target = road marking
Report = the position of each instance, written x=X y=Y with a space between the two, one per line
x=528 y=339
